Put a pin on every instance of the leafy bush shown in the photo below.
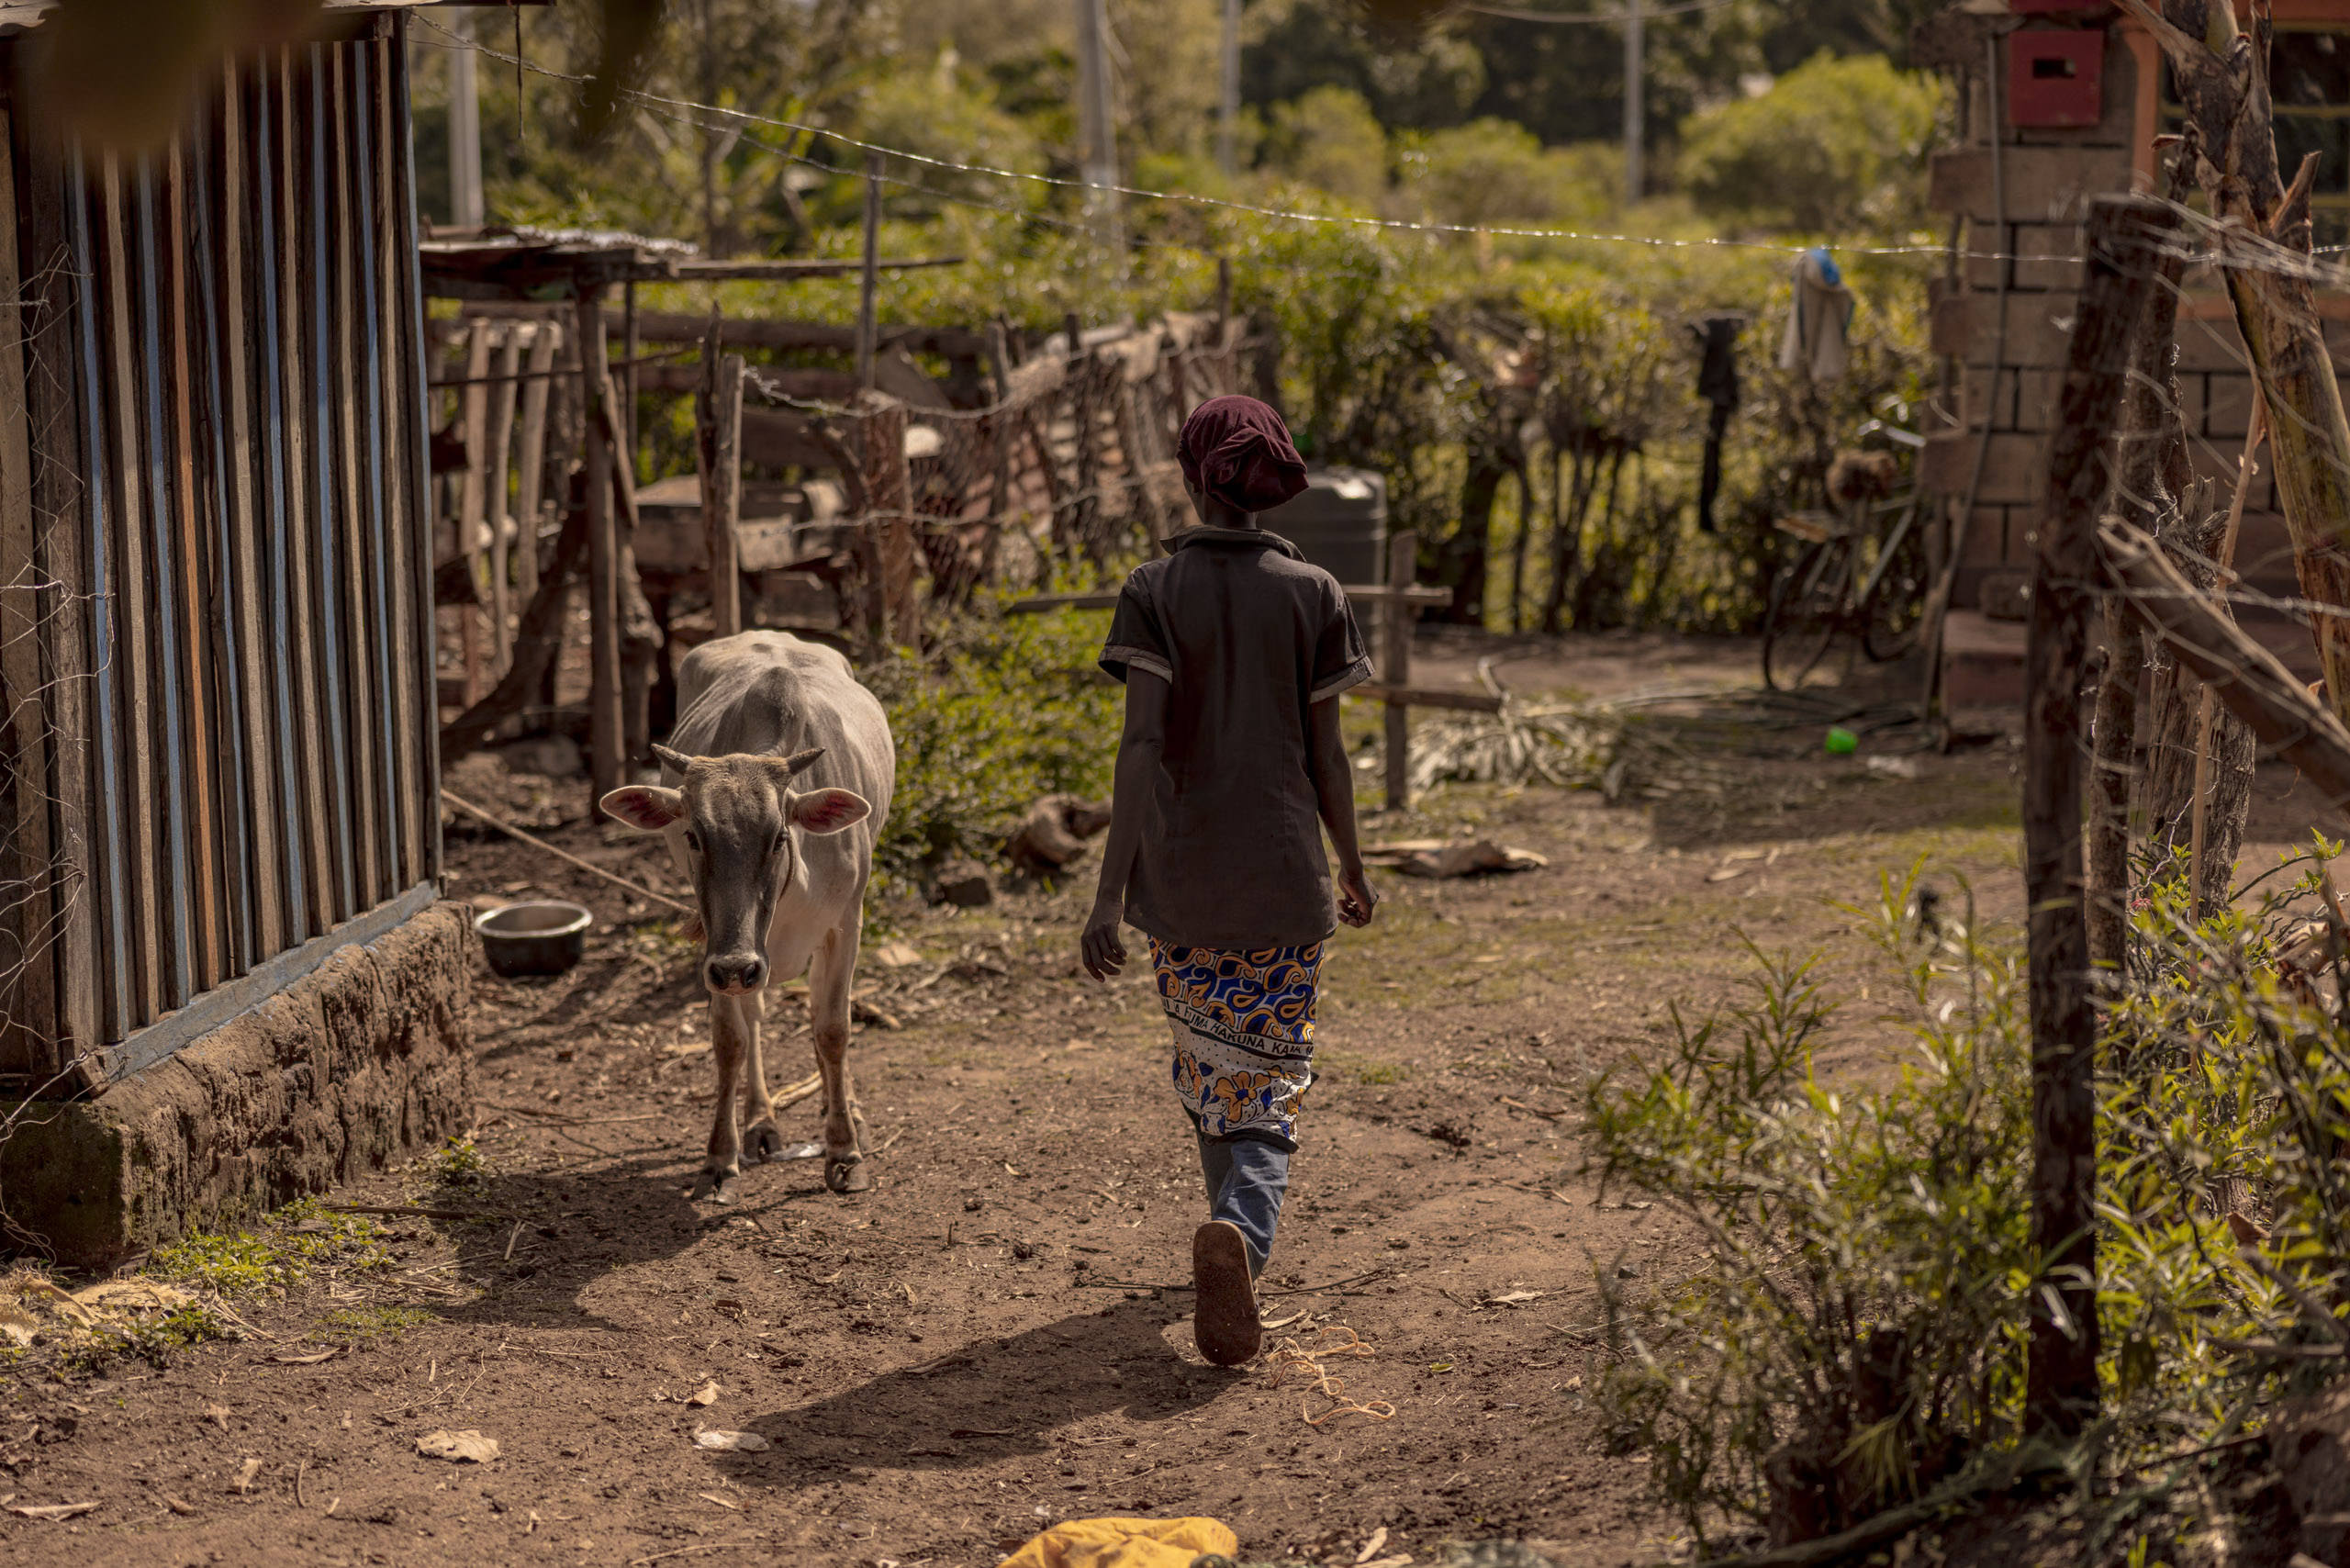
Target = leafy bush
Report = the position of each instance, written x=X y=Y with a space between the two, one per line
x=288 y=1246
x=1013 y=708
x=1858 y=1333
x=1835 y=146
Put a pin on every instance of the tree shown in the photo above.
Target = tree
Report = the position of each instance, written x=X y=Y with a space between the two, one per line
x=1329 y=139
x=1834 y=145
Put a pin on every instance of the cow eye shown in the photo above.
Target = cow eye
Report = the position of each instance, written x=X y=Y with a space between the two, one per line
x=693 y=841
x=783 y=841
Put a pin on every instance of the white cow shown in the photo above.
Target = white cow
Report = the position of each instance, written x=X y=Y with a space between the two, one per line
x=779 y=872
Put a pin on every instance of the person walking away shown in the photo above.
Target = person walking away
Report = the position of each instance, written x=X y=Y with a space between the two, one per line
x=1233 y=651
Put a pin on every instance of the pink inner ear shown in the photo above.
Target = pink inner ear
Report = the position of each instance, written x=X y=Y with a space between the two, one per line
x=641 y=806
x=828 y=811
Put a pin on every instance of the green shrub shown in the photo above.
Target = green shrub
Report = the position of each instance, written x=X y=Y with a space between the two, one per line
x=1858 y=1332
x=1835 y=146
x=1011 y=709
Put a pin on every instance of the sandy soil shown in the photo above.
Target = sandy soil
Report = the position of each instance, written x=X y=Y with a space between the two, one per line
x=990 y=1341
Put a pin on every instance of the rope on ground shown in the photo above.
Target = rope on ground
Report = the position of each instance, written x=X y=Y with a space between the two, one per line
x=1288 y=1353
x=537 y=842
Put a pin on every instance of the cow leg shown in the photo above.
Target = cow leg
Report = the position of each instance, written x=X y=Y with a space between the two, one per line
x=730 y=1037
x=829 y=980
x=761 y=1140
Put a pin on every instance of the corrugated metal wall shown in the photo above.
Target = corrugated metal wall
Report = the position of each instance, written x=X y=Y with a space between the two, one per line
x=221 y=341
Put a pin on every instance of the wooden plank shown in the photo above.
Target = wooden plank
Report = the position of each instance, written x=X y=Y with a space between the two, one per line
x=318 y=806
x=544 y=337
x=61 y=391
x=407 y=533
x=344 y=385
x=1395 y=666
x=1357 y=593
x=225 y=582
x=133 y=620
x=604 y=716
x=201 y=762
x=2123 y=235
x=473 y=491
x=721 y=451
x=498 y=510
x=382 y=284
x=330 y=514
x=1427 y=696
x=683 y=326
x=28 y=1023
x=264 y=743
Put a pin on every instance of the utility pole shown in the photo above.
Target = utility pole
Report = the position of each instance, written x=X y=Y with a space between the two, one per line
x=1096 y=127
x=1635 y=177
x=1227 y=127
x=464 y=133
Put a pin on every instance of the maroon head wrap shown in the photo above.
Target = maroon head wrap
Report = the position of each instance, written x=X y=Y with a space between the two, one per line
x=1237 y=450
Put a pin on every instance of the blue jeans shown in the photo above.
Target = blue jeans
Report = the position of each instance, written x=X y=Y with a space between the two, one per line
x=1247 y=1177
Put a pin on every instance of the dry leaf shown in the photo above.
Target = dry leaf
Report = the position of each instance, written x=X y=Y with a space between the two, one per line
x=730 y=1442
x=17 y=1325
x=245 y=1473
x=705 y=1395
x=53 y=1510
x=309 y=1361
x=1724 y=873
x=714 y=1498
x=218 y=1414
x=1371 y=1547
x=1515 y=1298
x=181 y=1506
x=467 y=1446
x=895 y=956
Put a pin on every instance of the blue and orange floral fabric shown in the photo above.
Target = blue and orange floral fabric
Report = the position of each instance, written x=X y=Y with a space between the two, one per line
x=1244 y=1032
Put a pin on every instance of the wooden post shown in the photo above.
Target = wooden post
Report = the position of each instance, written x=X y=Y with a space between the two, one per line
x=605 y=725
x=533 y=459
x=473 y=496
x=868 y=279
x=1395 y=665
x=628 y=369
x=2122 y=235
x=1223 y=296
x=721 y=450
x=498 y=511
x=889 y=489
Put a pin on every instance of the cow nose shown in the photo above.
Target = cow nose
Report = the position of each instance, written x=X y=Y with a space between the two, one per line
x=737 y=974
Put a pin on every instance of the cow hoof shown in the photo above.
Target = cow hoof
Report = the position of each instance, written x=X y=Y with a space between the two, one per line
x=848 y=1175
x=712 y=1188
x=763 y=1142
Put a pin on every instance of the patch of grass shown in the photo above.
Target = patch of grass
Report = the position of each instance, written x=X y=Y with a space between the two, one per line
x=458 y=1163
x=366 y=1325
x=1362 y=1070
x=152 y=1340
x=292 y=1243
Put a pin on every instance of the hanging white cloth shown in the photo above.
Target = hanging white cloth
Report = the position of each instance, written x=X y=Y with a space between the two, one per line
x=1818 y=319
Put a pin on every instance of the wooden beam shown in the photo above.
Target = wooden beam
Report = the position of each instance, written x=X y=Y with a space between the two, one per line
x=683 y=326
x=721 y=450
x=1427 y=696
x=1394 y=666
x=605 y=729
x=2123 y=236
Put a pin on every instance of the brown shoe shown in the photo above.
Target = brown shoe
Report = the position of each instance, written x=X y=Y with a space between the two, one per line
x=1223 y=1311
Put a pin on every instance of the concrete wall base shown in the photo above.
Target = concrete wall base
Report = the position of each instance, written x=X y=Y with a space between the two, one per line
x=365 y=1061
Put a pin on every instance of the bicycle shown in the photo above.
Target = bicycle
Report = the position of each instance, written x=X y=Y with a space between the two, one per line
x=1851 y=579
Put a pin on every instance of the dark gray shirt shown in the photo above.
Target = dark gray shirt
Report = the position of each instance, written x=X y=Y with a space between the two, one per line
x=1248 y=637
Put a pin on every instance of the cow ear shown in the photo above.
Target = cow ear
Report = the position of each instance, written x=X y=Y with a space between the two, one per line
x=828 y=811
x=648 y=808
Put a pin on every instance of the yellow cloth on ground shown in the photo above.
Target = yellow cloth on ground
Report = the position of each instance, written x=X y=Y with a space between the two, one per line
x=1124 y=1543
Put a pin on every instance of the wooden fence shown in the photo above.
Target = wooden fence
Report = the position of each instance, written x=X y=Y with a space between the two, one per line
x=219 y=761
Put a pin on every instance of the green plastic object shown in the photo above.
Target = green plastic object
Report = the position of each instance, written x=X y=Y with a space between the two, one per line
x=1842 y=743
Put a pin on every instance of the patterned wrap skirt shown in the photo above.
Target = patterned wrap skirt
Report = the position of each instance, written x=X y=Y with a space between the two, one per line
x=1244 y=1032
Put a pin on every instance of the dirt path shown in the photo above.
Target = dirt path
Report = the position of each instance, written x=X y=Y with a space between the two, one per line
x=986 y=1343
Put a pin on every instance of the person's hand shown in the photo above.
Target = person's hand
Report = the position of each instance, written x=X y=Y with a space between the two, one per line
x=1356 y=899
x=1099 y=949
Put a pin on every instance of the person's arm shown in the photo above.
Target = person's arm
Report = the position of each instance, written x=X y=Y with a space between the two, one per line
x=1333 y=794
x=1138 y=753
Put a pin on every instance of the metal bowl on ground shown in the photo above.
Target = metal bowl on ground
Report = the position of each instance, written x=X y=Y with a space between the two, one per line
x=542 y=937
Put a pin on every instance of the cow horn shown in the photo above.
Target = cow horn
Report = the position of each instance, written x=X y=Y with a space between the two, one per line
x=799 y=762
x=670 y=759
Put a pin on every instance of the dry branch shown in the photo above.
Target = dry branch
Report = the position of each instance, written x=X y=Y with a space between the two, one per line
x=2241 y=673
